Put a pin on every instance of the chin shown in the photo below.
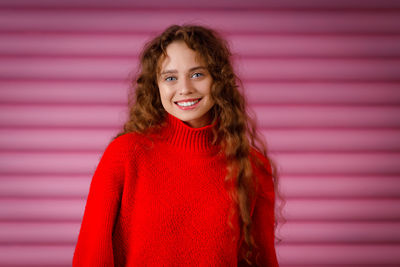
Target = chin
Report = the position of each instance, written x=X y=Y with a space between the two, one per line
x=193 y=119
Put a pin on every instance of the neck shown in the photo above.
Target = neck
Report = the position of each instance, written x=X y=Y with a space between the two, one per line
x=186 y=138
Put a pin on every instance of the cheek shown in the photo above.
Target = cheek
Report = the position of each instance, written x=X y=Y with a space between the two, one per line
x=210 y=103
x=165 y=95
x=207 y=92
x=207 y=87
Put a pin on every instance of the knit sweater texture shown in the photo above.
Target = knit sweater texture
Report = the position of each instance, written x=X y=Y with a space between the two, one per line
x=161 y=199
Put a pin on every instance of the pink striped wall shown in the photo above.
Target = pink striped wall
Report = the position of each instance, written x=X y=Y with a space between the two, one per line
x=323 y=78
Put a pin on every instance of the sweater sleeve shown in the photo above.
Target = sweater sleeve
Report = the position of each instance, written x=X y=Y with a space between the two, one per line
x=264 y=217
x=94 y=245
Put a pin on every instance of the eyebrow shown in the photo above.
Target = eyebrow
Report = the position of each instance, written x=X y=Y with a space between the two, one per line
x=175 y=71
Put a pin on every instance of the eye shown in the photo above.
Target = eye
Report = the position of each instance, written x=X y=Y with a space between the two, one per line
x=197 y=75
x=170 y=78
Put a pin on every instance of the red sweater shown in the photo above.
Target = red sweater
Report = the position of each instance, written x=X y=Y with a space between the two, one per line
x=162 y=201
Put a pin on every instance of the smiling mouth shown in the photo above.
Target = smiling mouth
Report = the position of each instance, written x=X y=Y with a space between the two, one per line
x=188 y=102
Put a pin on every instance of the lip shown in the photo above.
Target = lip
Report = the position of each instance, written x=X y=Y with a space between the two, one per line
x=188 y=100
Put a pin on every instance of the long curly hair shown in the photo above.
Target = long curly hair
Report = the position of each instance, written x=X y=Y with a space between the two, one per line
x=236 y=131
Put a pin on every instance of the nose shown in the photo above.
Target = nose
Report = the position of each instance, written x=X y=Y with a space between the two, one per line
x=185 y=87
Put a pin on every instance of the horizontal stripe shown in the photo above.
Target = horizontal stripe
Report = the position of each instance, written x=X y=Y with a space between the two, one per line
x=326 y=140
x=338 y=232
x=290 y=140
x=268 y=116
x=301 y=255
x=300 y=186
x=360 y=255
x=337 y=163
x=289 y=163
x=58 y=44
x=325 y=210
x=322 y=93
x=331 y=186
x=39 y=232
x=65 y=92
x=97 y=92
x=229 y=21
x=36 y=255
x=342 y=210
x=360 y=70
x=214 y=4
x=291 y=233
x=55 y=186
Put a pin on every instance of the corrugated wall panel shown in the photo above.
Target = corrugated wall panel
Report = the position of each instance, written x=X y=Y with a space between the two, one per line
x=291 y=162
x=295 y=140
x=229 y=20
x=286 y=116
x=348 y=4
x=323 y=79
x=293 y=255
x=110 y=92
x=294 y=186
x=250 y=69
x=127 y=44
x=297 y=232
x=298 y=209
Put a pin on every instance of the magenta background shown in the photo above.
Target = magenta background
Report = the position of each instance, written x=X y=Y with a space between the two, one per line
x=323 y=78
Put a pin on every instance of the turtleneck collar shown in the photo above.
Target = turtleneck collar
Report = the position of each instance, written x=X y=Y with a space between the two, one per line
x=186 y=138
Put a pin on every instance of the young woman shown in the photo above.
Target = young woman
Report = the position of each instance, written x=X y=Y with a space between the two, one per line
x=188 y=181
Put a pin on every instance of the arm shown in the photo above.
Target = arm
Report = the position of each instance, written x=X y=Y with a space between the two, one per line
x=94 y=246
x=263 y=215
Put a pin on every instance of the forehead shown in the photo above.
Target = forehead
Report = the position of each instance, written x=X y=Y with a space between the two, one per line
x=179 y=55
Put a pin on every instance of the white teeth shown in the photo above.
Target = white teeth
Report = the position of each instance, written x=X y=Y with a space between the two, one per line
x=187 y=104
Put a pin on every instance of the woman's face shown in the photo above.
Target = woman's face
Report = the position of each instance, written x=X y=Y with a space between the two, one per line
x=185 y=83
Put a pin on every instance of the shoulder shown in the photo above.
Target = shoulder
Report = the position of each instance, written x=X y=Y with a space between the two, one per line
x=259 y=160
x=122 y=142
x=125 y=145
x=263 y=174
